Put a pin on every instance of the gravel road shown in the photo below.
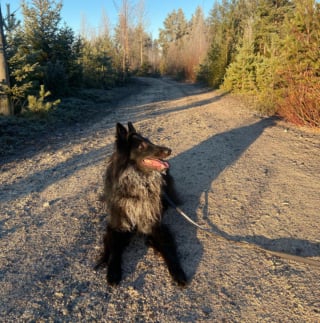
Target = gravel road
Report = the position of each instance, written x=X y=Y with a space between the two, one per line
x=247 y=178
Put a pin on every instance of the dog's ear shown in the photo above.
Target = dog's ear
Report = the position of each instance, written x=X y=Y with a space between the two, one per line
x=131 y=128
x=122 y=132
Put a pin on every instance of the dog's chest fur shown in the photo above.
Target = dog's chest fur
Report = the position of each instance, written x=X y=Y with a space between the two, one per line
x=134 y=200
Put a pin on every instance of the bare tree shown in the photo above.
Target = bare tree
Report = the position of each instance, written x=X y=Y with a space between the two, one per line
x=196 y=44
x=123 y=35
x=141 y=29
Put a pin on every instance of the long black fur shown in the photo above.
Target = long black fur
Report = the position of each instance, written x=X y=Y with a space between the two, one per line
x=134 y=195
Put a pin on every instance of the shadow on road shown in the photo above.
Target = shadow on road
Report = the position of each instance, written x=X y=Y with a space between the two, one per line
x=38 y=181
x=226 y=147
x=151 y=110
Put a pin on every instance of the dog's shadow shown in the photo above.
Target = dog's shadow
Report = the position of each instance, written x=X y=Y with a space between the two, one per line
x=194 y=177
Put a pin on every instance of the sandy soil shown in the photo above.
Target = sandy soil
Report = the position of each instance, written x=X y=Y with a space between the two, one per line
x=247 y=178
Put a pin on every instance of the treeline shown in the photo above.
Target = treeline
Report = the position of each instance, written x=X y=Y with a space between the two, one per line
x=45 y=56
x=266 y=49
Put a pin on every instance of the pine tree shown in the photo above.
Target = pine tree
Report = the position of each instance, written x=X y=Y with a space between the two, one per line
x=254 y=69
x=41 y=27
x=172 y=39
x=241 y=73
x=49 y=44
x=300 y=70
x=42 y=52
x=40 y=105
x=175 y=28
x=225 y=30
x=97 y=63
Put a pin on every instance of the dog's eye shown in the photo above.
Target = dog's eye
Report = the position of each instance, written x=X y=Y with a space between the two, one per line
x=142 y=146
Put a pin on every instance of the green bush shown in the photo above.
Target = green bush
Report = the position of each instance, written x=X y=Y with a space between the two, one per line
x=39 y=105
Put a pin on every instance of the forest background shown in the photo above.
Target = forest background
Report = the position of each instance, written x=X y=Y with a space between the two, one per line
x=269 y=51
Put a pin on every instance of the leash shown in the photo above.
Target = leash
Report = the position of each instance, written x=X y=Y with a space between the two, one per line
x=245 y=244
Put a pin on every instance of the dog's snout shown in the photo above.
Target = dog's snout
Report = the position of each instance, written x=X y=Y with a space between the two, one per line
x=163 y=152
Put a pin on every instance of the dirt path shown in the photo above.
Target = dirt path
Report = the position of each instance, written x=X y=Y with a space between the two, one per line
x=247 y=178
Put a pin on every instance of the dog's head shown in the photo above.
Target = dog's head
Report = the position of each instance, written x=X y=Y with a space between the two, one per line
x=140 y=150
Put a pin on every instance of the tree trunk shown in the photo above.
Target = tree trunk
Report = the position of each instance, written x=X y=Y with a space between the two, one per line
x=6 y=107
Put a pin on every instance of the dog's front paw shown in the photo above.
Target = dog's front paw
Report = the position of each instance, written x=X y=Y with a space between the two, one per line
x=114 y=276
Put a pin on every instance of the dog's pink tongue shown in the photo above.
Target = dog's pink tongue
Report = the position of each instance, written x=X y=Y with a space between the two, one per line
x=156 y=164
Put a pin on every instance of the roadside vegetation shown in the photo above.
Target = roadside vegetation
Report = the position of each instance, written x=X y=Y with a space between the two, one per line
x=268 y=51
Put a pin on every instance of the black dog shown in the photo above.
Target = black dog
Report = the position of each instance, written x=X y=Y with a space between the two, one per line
x=136 y=181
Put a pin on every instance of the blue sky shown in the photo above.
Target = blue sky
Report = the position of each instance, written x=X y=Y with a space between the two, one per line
x=156 y=11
